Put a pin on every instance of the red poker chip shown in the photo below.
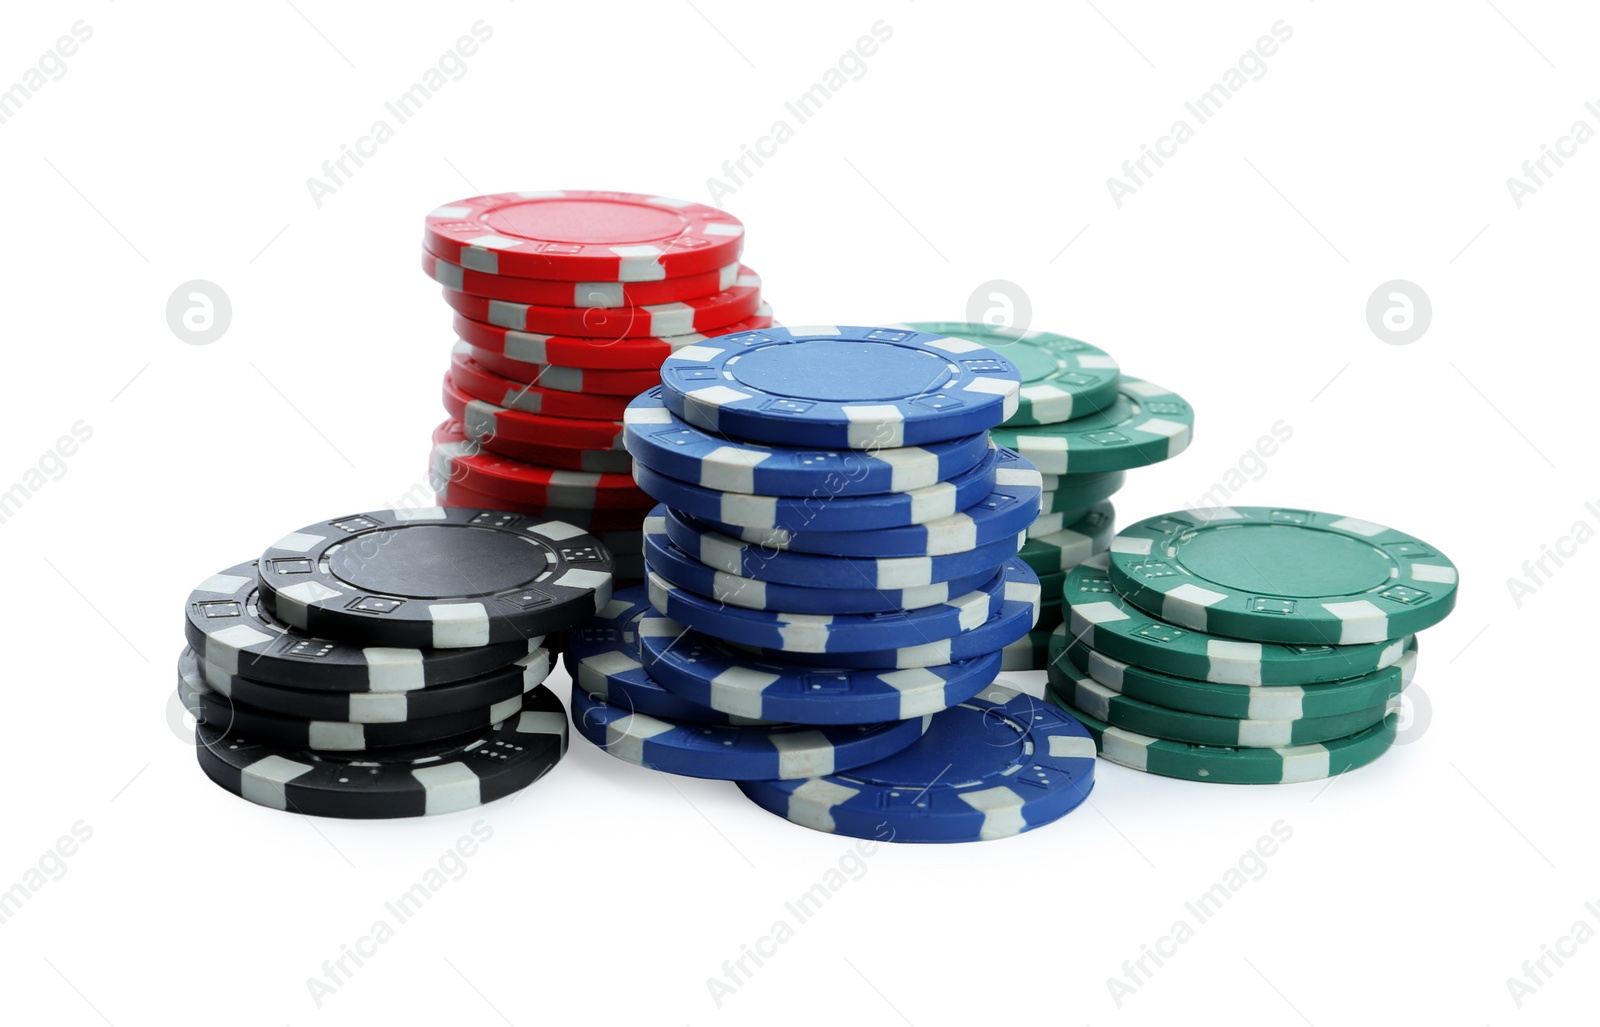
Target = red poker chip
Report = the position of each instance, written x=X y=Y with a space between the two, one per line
x=578 y=294
x=616 y=528
x=570 y=351
x=484 y=420
x=661 y=320
x=459 y=459
x=479 y=382
x=582 y=236
x=626 y=384
x=596 y=461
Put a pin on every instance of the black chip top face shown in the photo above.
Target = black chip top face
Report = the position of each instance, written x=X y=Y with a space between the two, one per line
x=435 y=577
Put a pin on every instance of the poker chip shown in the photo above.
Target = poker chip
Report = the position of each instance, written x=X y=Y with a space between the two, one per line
x=709 y=672
x=731 y=752
x=409 y=781
x=991 y=767
x=1145 y=425
x=478 y=382
x=1130 y=714
x=228 y=629
x=1247 y=702
x=498 y=685
x=1062 y=378
x=775 y=566
x=624 y=384
x=706 y=314
x=583 y=351
x=436 y=577
x=604 y=657
x=672 y=447
x=684 y=571
x=1003 y=514
x=1273 y=574
x=228 y=716
x=1018 y=611
x=1225 y=765
x=828 y=633
x=593 y=461
x=1032 y=652
x=1064 y=492
x=834 y=385
x=1105 y=621
x=486 y=421
x=826 y=513
x=580 y=235
x=577 y=294
x=1066 y=548
x=469 y=463
x=614 y=525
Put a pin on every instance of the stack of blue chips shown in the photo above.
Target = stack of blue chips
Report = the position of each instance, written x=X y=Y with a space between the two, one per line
x=832 y=578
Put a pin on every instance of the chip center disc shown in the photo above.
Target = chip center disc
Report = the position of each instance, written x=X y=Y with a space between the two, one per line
x=1284 y=560
x=959 y=729
x=842 y=372
x=437 y=561
x=585 y=221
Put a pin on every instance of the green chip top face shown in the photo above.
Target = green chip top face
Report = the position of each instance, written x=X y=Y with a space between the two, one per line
x=1272 y=574
x=1062 y=377
x=1102 y=619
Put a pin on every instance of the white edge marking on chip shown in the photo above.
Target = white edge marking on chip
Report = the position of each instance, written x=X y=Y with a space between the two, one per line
x=299 y=542
x=1001 y=808
x=263 y=782
x=720 y=228
x=1098 y=613
x=1360 y=620
x=336 y=737
x=646 y=415
x=1356 y=526
x=1305 y=763
x=800 y=332
x=1132 y=545
x=451 y=213
x=1126 y=747
x=459 y=625
x=732 y=469
x=950 y=344
x=558 y=531
x=448 y=787
x=803 y=754
x=1210 y=514
x=394 y=670
x=812 y=804
x=1234 y=662
x=992 y=386
x=738 y=691
x=1071 y=747
x=1435 y=573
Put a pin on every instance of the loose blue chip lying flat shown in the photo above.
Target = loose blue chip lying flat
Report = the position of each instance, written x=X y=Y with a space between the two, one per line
x=826 y=513
x=708 y=671
x=604 y=659
x=727 y=753
x=1018 y=614
x=826 y=633
x=994 y=766
x=679 y=568
x=839 y=385
x=1007 y=511
x=669 y=445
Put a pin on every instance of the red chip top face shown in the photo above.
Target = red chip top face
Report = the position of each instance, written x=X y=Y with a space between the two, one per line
x=584 y=236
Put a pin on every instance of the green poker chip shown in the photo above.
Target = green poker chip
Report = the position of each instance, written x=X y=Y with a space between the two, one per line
x=1069 y=490
x=1029 y=653
x=1062 y=378
x=1105 y=621
x=1132 y=714
x=1279 y=575
x=1146 y=425
x=1245 y=702
x=1069 y=546
x=1052 y=614
x=1225 y=765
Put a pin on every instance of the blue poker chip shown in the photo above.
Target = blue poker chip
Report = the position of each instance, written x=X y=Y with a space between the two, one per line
x=994 y=766
x=603 y=658
x=1007 y=511
x=707 y=670
x=776 y=566
x=826 y=633
x=669 y=445
x=826 y=512
x=750 y=753
x=1018 y=613
x=838 y=385
x=684 y=571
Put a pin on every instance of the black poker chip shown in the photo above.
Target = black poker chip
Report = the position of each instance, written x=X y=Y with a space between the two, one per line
x=411 y=781
x=435 y=577
x=229 y=630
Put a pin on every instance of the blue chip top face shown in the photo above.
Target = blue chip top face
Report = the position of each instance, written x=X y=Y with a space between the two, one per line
x=669 y=445
x=838 y=385
x=996 y=765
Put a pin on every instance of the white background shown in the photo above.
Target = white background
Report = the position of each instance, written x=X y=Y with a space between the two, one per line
x=976 y=147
